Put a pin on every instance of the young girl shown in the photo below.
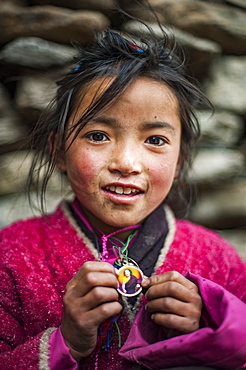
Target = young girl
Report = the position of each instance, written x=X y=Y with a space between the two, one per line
x=121 y=130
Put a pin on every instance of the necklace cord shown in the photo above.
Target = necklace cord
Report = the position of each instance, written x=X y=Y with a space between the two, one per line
x=104 y=239
x=105 y=330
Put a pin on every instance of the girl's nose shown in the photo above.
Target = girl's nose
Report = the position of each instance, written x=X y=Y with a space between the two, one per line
x=126 y=160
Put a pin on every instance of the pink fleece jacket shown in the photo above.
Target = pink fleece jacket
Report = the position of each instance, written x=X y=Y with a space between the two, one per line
x=39 y=256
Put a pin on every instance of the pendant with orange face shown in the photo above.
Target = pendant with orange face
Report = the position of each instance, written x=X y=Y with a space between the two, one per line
x=130 y=278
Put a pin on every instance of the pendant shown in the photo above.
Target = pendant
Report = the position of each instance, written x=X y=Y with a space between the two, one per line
x=130 y=277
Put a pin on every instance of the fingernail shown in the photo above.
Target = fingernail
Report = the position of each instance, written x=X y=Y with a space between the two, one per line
x=145 y=281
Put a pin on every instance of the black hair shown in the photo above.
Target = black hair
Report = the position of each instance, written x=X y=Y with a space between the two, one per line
x=128 y=270
x=112 y=55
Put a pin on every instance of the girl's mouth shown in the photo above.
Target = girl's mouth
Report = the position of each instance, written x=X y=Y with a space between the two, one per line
x=123 y=190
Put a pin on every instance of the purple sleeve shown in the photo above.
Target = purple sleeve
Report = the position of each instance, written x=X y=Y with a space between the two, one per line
x=221 y=344
x=60 y=357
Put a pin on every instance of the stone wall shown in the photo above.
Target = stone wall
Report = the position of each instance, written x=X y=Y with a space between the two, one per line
x=35 y=49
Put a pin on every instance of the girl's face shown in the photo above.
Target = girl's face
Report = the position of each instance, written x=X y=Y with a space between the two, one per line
x=123 y=162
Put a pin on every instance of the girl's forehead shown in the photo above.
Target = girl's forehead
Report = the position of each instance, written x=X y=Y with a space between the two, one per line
x=93 y=90
x=88 y=95
x=140 y=88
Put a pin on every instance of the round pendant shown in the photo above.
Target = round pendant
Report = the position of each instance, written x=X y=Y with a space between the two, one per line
x=130 y=279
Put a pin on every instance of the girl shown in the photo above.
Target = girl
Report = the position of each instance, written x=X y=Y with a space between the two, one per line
x=121 y=129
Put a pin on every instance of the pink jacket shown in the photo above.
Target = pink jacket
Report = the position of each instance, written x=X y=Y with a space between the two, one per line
x=221 y=343
x=39 y=256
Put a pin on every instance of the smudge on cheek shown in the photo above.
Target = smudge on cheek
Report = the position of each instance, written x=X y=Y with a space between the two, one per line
x=85 y=164
x=86 y=174
x=162 y=173
x=88 y=169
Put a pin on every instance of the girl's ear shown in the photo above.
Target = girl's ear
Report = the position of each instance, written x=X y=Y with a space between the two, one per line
x=61 y=163
x=179 y=166
x=57 y=155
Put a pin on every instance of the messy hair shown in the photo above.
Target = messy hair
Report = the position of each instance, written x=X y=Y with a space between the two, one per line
x=112 y=55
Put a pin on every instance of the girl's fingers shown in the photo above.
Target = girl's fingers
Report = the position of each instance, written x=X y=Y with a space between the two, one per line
x=92 y=280
x=173 y=306
x=91 y=298
x=99 y=314
x=94 y=266
x=92 y=274
x=172 y=289
x=174 y=302
x=95 y=297
x=177 y=323
x=80 y=330
x=94 y=286
x=170 y=276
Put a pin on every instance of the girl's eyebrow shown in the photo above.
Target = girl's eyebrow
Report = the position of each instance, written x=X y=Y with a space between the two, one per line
x=103 y=119
x=145 y=125
x=158 y=124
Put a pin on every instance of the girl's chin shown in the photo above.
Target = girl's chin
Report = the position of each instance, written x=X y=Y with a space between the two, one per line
x=118 y=220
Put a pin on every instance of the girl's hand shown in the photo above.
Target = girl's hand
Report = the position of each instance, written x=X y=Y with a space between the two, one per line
x=91 y=298
x=174 y=302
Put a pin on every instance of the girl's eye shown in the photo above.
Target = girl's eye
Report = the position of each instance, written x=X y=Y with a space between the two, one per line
x=156 y=140
x=97 y=137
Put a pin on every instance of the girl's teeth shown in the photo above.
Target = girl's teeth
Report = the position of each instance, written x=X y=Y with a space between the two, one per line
x=121 y=190
x=127 y=191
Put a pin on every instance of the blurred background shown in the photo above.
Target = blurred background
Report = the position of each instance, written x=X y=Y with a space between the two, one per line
x=35 y=50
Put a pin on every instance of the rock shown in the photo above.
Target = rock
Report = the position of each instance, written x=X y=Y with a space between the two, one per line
x=184 y=38
x=33 y=95
x=51 y=23
x=238 y=3
x=200 y=52
x=34 y=52
x=14 y=170
x=104 y=6
x=226 y=85
x=222 y=208
x=237 y=238
x=35 y=92
x=14 y=204
x=214 y=165
x=223 y=24
x=10 y=129
x=10 y=4
x=15 y=167
x=222 y=129
x=139 y=10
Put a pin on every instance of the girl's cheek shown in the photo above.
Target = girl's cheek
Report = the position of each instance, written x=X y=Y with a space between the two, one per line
x=162 y=173
x=88 y=164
